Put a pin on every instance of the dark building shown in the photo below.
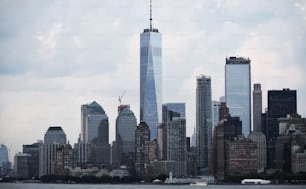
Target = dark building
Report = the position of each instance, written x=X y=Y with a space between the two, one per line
x=21 y=165
x=125 y=137
x=223 y=111
x=203 y=124
x=95 y=134
x=257 y=107
x=280 y=104
x=226 y=130
x=33 y=164
x=142 y=138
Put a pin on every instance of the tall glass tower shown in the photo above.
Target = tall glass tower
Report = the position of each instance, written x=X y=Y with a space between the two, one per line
x=238 y=90
x=151 y=77
x=203 y=124
x=126 y=125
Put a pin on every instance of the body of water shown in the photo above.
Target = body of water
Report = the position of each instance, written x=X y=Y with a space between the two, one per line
x=139 y=186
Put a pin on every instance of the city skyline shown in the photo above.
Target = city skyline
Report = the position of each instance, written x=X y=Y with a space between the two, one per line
x=54 y=60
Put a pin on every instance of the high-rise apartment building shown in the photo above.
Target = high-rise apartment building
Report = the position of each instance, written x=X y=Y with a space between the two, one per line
x=203 y=123
x=151 y=77
x=126 y=125
x=257 y=107
x=238 y=90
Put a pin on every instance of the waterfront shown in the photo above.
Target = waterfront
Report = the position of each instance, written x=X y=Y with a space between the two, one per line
x=138 y=186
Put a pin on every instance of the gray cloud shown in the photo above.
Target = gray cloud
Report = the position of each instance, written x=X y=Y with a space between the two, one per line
x=56 y=55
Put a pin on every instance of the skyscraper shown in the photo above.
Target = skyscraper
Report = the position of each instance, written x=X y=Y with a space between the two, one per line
x=54 y=138
x=257 y=107
x=126 y=125
x=176 y=137
x=142 y=138
x=94 y=124
x=55 y=135
x=215 y=113
x=151 y=77
x=33 y=150
x=3 y=154
x=280 y=104
x=170 y=111
x=95 y=134
x=203 y=123
x=238 y=90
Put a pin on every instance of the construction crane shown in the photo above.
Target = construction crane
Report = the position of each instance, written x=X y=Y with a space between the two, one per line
x=120 y=97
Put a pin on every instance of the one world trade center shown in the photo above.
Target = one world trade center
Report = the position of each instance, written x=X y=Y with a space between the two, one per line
x=151 y=77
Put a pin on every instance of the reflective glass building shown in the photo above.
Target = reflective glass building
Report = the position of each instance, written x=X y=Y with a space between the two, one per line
x=94 y=124
x=126 y=125
x=151 y=79
x=203 y=124
x=178 y=108
x=238 y=90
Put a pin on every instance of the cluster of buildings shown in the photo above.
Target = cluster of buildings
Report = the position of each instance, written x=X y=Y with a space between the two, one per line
x=225 y=143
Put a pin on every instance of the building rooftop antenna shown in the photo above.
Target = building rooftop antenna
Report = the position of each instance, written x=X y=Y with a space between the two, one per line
x=150 y=15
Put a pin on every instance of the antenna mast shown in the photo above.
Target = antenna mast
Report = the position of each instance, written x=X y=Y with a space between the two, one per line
x=150 y=15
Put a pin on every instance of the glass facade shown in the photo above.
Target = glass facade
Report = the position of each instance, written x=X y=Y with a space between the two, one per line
x=238 y=90
x=3 y=154
x=55 y=135
x=126 y=125
x=94 y=124
x=151 y=79
x=178 y=108
x=203 y=124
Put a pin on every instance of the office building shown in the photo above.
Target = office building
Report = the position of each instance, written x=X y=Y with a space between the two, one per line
x=3 y=155
x=33 y=151
x=162 y=141
x=142 y=138
x=55 y=135
x=175 y=108
x=215 y=113
x=54 y=138
x=126 y=125
x=176 y=149
x=238 y=90
x=151 y=77
x=21 y=165
x=242 y=157
x=95 y=128
x=261 y=151
x=203 y=123
x=93 y=118
x=280 y=104
x=5 y=164
x=257 y=107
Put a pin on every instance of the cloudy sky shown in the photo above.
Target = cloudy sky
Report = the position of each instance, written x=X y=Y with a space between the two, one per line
x=57 y=55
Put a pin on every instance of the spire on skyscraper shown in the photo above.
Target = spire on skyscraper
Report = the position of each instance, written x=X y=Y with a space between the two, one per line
x=150 y=15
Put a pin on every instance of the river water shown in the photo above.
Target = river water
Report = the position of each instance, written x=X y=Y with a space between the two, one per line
x=139 y=186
